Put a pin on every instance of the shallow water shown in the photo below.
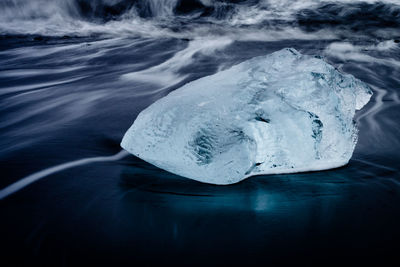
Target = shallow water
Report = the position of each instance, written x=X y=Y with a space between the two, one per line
x=73 y=77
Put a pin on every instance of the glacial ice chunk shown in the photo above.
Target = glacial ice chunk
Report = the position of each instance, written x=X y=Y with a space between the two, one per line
x=280 y=113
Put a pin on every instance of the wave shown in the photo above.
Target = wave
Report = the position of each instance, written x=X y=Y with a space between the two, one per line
x=113 y=17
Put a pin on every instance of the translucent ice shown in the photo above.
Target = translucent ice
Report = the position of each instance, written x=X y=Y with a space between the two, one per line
x=281 y=113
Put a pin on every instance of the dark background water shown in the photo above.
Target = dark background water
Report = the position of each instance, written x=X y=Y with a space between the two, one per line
x=75 y=74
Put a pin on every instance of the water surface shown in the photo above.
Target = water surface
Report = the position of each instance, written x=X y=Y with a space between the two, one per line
x=75 y=74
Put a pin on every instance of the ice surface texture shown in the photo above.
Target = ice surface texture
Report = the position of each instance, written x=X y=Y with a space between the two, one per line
x=281 y=113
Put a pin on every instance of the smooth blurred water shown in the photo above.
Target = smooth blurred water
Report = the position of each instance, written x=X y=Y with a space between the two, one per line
x=75 y=74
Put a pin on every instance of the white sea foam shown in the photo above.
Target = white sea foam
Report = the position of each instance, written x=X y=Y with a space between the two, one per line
x=62 y=17
x=166 y=73
x=24 y=182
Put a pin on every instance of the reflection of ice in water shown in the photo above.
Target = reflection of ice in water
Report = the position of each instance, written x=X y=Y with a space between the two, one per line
x=261 y=202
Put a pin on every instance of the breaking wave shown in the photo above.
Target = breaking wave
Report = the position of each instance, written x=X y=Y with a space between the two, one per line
x=116 y=17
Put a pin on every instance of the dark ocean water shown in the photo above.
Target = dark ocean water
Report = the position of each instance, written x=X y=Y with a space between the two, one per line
x=75 y=74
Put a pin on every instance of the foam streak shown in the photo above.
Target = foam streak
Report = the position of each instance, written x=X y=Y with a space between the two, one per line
x=15 y=187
